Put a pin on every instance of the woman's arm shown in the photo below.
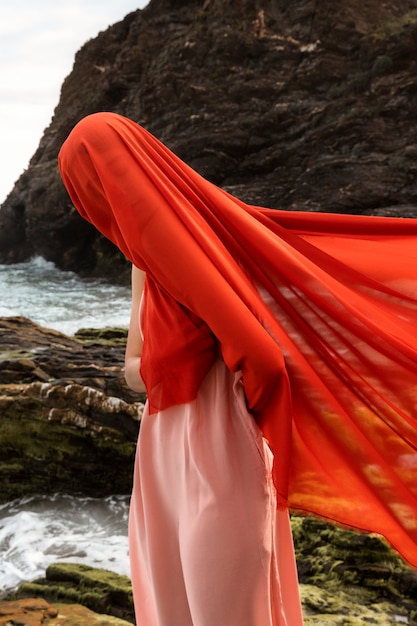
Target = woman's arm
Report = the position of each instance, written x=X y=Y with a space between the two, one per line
x=134 y=338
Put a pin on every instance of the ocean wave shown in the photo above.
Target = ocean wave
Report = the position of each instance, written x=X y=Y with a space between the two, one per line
x=63 y=301
x=38 y=531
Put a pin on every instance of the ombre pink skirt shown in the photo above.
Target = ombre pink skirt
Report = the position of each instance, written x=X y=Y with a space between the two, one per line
x=208 y=546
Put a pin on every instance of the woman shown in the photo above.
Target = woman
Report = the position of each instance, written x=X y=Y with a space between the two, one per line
x=279 y=359
x=207 y=543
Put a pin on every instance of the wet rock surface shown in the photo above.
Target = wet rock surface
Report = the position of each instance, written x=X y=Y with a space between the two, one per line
x=38 y=612
x=69 y=422
x=346 y=579
x=99 y=590
x=350 y=579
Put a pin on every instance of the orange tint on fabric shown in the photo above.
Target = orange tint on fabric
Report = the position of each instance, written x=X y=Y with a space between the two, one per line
x=329 y=365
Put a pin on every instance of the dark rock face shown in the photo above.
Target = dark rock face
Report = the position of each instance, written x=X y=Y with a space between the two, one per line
x=302 y=105
x=69 y=421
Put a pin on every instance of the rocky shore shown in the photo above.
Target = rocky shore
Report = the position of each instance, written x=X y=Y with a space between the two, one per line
x=69 y=424
x=38 y=612
x=69 y=421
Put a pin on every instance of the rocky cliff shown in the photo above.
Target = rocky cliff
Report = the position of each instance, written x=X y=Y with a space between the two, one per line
x=303 y=105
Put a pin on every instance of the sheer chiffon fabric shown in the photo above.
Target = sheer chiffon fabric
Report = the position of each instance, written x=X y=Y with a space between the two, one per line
x=327 y=351
x=209 y=546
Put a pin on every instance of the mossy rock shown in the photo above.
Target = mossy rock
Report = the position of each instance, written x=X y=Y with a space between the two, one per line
x=77 y=615
x=322 y=607
x=69 y=421
x=99 y=590
x=105 y=336
x=394 y=26
x=347 y=573
x=46 y=458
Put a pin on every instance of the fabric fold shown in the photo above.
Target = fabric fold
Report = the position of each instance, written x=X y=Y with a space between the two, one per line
x=329 y=362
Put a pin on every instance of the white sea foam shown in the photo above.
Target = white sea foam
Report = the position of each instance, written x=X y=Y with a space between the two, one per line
x=35 y=532
x=61 y=300
x=38 y=531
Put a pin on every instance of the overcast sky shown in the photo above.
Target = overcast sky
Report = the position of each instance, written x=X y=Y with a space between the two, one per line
x=38 y=42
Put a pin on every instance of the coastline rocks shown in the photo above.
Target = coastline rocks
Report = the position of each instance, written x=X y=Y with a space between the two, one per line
x=346 y=579
x=69 y=421
x=30 y=612
x=98 y=590
x=37 y=612
x=350 y=578
x=322 y=607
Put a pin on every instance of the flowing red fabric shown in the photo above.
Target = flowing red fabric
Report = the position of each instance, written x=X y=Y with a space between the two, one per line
x=318 y=311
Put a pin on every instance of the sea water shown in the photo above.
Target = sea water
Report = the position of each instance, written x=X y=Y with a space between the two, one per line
x=35 y=532
x=38 y=531
x=61 y=300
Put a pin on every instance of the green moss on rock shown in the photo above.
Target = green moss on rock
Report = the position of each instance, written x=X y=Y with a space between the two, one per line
x=40 y=458
x=348 y=608
x=105 y=336
x=100 y=590
x=352 y=574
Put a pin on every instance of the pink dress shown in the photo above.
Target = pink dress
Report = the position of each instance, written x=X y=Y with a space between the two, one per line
x=207 y=544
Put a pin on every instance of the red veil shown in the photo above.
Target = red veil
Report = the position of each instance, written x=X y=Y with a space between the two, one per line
x=329 y=364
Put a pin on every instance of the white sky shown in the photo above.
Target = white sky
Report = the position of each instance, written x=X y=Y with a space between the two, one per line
x=38 y=42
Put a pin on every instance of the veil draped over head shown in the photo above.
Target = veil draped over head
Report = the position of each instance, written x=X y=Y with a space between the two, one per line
x=318 y=311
